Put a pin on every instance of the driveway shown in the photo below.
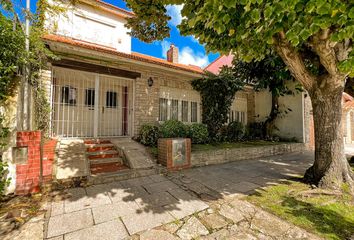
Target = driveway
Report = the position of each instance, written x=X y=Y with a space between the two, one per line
x=128 y=209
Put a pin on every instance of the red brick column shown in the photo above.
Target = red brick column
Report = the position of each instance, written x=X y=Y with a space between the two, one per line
x=28 y=174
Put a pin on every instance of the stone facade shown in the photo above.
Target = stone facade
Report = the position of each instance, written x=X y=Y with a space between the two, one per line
x=236 y=154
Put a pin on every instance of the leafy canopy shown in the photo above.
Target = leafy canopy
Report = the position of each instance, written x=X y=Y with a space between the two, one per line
x=251 y=28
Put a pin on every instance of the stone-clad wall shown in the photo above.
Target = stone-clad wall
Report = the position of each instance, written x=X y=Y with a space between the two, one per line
x=236 y=154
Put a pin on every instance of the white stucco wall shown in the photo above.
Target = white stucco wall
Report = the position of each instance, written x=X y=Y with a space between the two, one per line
x=291 y=124
x=93 y=25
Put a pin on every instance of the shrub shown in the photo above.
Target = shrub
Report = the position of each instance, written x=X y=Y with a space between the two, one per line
x=235 y=131
x=148 y=135
x=255 y=130
x=4 y=181
x=173 y=129
x=198 y=133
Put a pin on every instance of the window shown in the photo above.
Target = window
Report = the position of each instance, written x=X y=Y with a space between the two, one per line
x=68 y=95
x=194 y=112
x=184 y=111
x=163 y=109
x=174 y=110
x=111 y=99
x=90 y=97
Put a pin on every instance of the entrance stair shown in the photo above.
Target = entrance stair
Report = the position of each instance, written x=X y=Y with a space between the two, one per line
x=103 y=157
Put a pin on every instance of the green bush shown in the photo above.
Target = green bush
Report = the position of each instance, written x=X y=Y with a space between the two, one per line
x=148 y=135
x=4 y=182
x=173 y=129
x=235 y=131
x=198 y=133
x=255 y=130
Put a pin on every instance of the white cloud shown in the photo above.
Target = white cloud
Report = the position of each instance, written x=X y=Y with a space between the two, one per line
x=174 y=11
x=165 y=45
x=186 y=55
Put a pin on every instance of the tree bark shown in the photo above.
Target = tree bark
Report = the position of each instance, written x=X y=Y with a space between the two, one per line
x=331 y=168
x=270 y=122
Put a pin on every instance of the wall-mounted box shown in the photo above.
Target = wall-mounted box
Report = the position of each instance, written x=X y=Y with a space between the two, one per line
x=20 y=155
x=174 y=153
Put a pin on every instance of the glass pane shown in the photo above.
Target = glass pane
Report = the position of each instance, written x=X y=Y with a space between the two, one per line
x=185 y=111
x=68 y=95
x=194 y=112
x=174 y=109
x=163 y=109
x=111 y=99
x=90 y=97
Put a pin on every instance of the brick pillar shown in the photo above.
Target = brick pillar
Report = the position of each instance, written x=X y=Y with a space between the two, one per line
x=27 y=175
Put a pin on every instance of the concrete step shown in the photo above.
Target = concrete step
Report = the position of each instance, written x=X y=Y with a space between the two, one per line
x=97 y=141
x=106 y=168
x=114 y=151
x=99 y=147
x=103 y=155
x=107 y=160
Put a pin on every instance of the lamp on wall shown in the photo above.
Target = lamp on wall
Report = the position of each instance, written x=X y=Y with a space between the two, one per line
x=150 y=81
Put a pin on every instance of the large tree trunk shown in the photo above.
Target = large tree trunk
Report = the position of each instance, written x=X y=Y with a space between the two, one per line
x=331 y=168
x=270 y=122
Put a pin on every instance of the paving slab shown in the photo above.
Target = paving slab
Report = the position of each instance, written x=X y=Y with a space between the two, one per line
x=160 y=186
x=69 y=222
x=154 y=234
x=192 y=229
x=114 y=211
x=71 y=159
x=146 y=220
x=104 y=231
x=184 y=208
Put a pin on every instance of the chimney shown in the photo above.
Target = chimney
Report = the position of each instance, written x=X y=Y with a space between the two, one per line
x=172 y=54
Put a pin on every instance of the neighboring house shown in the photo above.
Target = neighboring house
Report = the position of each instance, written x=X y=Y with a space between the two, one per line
x=100 y=88
x=348 y=118
x=294 y=124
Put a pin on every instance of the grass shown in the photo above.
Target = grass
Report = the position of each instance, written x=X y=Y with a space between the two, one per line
x=329 y=216
x=226 y=145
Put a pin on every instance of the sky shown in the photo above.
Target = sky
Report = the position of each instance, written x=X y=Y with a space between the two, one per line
x=190 y=51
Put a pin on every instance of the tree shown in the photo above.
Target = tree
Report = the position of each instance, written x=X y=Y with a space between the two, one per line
x=217 y=93
x=269 y=73
x=349 y=86
x=314 y=38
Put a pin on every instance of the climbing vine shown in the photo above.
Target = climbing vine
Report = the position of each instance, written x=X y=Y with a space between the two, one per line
x=217 y=94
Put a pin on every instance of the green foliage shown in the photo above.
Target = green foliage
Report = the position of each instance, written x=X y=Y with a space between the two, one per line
x=12 y=58
x=235 y=131
x=149 y=134
x=255 y=130
x=173 y=129
x=253 y=28
x=198 y=133
x=217 y=93
x=4 y=181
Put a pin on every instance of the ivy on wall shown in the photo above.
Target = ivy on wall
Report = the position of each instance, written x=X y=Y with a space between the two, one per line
x=217 y=94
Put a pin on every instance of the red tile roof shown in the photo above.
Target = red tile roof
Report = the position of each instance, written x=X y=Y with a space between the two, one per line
x=134 y=56
x=218 y=63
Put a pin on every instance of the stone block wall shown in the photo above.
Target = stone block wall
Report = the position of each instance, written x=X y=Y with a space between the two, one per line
x=202 y=158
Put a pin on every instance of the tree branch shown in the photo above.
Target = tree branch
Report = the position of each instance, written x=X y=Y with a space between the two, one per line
x=323 y=47
x=294 y=61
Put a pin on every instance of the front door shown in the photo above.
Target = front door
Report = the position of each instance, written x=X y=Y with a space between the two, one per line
x=89 y=105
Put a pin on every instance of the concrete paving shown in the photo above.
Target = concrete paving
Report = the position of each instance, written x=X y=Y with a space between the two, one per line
x=132 y=207
x=135 y=153
x=71 y=159
x=120 y=209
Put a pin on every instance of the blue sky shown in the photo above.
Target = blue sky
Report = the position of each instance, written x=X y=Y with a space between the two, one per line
x=190 y=51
